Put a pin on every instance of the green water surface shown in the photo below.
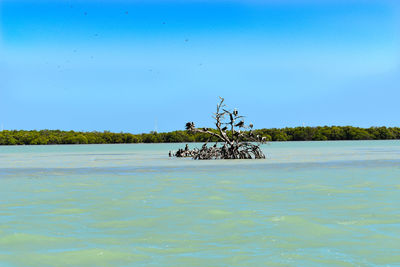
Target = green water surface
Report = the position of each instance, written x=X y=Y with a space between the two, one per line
x=307 y=204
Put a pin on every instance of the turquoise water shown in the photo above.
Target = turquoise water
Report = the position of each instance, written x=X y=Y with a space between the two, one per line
x=307 y=204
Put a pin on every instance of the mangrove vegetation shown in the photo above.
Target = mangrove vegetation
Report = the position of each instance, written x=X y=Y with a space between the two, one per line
x=322 y=133
x=234 y=139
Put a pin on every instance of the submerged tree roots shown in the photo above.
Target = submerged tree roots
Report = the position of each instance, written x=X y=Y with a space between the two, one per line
x=235 y=139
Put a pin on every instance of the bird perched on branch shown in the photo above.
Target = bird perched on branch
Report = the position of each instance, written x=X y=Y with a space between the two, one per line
x=224 y=129
x=189 y=125
x=251 y=125
x=240 y=124
x=235 y=112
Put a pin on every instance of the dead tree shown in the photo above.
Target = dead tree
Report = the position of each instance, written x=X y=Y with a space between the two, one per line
x=235 y=140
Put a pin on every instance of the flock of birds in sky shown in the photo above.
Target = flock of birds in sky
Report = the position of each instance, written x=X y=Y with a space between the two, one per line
x=152 y=70
x=126 y=13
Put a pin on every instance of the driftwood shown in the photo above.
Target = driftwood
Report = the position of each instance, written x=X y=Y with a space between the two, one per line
x=235 y=139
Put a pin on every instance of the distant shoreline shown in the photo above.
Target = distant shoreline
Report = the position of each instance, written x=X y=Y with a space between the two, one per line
x=320 y=133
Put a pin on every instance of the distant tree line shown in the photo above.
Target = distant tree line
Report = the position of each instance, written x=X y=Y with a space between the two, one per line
x=53 y=137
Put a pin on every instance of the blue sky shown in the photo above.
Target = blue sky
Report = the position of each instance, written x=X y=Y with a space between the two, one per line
x=135 y=65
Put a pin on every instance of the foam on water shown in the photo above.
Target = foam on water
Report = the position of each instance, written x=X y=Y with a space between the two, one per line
x=308 y=204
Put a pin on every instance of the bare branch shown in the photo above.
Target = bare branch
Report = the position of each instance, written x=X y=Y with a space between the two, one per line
x=239 y=145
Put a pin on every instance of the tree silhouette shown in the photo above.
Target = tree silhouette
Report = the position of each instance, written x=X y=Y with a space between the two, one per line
x=235 y=139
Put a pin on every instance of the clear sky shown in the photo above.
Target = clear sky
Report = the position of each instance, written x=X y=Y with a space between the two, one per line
x=132 y=66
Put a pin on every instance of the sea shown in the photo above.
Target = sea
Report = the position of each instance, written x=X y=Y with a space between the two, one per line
x=307 y=204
